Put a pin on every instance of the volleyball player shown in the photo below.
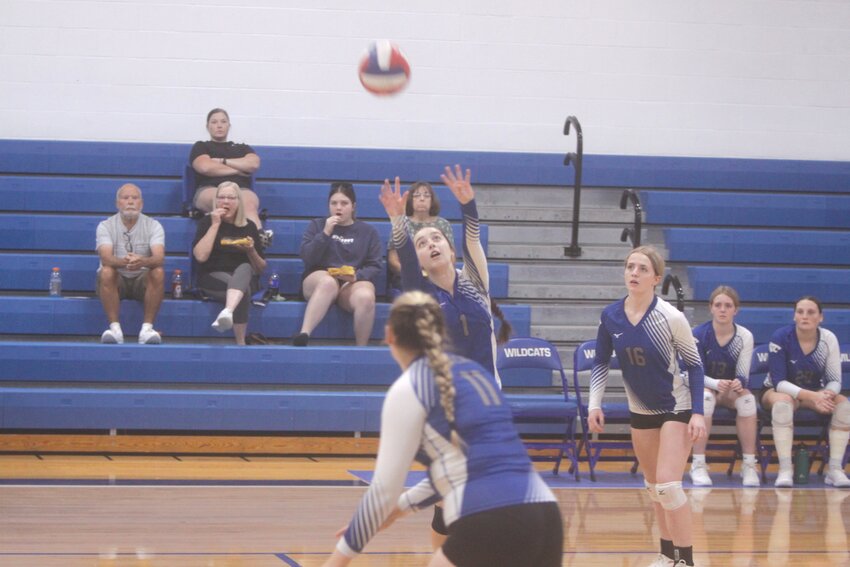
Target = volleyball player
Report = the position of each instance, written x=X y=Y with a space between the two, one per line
x=726 y=350
x=428 y=264
x=648 y=335
x=804 y=370
x=448 y=412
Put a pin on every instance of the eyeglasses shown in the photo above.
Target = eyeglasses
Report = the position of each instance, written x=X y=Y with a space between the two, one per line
x=424 y=195
x=128 y=244
x=227 y=197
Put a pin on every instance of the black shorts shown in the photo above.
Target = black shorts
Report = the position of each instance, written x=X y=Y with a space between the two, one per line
x=641 y=421
x=525 y=534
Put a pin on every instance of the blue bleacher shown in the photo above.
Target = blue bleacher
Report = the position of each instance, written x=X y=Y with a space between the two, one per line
x=28 y=272
x=758 y=246
x=745 y=209
x=77 y=233
x=763 y=321
x=191 y=318
x=772 y=284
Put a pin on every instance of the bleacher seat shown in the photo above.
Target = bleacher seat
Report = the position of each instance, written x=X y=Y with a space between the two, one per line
x=745 y=209
x=28 y=272
x=772 y=284
x=77 y=233
x=191 y=318
x=763 y=321
x=751 y=246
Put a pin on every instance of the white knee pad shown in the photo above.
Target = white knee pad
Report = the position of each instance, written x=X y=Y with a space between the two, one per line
x=650 y=491
x=708 y=403
x=670 y=495
x=746 y=405
x=841 y=416
x=782 y=415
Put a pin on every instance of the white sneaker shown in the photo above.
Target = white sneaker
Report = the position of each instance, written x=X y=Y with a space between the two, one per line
x=785 y=479
x=661 y=561
x=149 y=337
x=699 y=475
x=750 y=474
x=110 y=337
x=836 y=478
x=224 y=321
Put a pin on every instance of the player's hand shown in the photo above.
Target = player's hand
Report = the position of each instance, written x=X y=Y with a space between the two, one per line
x=696 y=427
x=459 y=184
x=596 y=420
x=393 y=200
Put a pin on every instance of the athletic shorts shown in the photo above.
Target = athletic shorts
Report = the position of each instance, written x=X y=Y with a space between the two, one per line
x=655 y=421
x=525 y=534
x=128 y=288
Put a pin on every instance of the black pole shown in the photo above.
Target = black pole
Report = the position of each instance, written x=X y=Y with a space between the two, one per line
x=574 y=250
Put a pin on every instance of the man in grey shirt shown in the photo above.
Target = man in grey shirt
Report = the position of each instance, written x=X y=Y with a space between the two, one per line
x=131 y=247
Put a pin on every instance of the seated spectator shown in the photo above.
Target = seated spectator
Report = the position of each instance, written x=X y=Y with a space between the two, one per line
x=422 y=210
x=229 y=255
x=337 y=241
x=131 y=247
x=217 y=160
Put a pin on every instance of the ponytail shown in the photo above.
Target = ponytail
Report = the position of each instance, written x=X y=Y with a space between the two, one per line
x=506 y=329
x=418 y=324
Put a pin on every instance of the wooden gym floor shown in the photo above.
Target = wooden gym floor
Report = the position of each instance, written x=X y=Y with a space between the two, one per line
x=216 y=511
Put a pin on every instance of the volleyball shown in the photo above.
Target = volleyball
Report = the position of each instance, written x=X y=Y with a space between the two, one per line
x=384 y=69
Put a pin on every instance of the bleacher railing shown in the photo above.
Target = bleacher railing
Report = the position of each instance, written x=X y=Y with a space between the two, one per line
x=632 y=233
x=574 y=250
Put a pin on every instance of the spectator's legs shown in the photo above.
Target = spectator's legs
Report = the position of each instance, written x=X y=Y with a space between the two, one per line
x=359 y=298
x=321 y=290
x=154 y=290
x=205 y=198
x=252 y=206
x=239 y=332
x=108 y=292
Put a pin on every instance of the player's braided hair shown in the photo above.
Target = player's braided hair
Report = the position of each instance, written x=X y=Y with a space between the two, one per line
x=418 y=324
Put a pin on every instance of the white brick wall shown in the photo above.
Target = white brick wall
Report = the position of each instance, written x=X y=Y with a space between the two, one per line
x=736 y=78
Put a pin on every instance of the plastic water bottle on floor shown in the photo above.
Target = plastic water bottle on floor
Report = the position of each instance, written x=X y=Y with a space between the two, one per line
x=55 y=287
x=274 y=285
x=177 y=284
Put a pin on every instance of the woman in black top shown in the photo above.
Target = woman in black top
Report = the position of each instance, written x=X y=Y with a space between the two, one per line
x=217 y=160
x=229 y=255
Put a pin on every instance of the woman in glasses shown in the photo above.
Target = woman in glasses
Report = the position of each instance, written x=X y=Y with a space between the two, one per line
x=422 y=210
x=228 y=251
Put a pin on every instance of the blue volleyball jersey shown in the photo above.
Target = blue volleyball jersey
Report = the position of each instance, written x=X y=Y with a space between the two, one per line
x=726 y=362
x=469 y=321
x=647 y=353
x=819 y=369
x=489 y=468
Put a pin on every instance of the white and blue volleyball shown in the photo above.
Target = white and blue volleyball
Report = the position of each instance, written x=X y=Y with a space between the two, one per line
x=384 y=69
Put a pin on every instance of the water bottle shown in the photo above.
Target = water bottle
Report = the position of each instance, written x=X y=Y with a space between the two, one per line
x=177 y=284
x=274 y=284
x=801 y=465
x=55 y=287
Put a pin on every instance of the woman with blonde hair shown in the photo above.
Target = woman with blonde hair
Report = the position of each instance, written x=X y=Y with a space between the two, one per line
x=229 y=255
x=649 y=335
x=448 y=412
